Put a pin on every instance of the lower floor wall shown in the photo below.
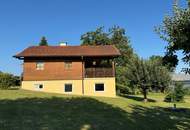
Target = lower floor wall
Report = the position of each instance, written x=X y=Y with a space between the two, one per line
x=109 y=87
x=88 y=86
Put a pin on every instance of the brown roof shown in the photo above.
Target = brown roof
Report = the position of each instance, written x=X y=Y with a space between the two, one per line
x=65 y=51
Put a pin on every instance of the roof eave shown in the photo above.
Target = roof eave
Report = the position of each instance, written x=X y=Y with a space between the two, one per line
x=22 y=57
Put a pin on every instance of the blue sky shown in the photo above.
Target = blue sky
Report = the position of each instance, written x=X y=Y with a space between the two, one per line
x=23 y=22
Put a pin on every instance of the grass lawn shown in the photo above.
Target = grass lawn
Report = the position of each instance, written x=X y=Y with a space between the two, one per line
x=26 y=110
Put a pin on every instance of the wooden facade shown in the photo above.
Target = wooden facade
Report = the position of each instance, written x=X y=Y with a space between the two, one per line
x=54 y=69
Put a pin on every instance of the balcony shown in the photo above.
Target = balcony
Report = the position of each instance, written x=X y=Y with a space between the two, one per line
x=99 y=72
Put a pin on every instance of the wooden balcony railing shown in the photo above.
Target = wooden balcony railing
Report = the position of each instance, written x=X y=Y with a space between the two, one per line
x=99 y=72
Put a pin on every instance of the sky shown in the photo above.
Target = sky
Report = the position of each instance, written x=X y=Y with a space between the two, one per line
x=24 y=22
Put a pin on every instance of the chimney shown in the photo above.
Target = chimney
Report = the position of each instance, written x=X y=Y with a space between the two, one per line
x=63 y=44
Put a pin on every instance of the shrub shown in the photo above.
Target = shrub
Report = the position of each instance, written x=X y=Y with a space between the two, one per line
x=187 y=90
x=176 y=93
x=8 y=80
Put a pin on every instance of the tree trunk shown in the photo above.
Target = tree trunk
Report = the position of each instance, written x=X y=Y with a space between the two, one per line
x=145 y=95
x=162 y=89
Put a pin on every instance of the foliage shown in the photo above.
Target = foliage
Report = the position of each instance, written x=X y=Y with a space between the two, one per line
x=175 y=30
x=147 y=74
x=160 y=76
x=156 y=59
x=122 y=82
x=97 y=37
x=187 y=90
x=8 y=80
x=165 y=61
x=138 y=74
x=114 y=36
x=43 y=42
x=170 y=61
x=176 y=93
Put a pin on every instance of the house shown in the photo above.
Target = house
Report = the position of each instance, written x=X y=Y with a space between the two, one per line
x=79 y=70
x=181 y=78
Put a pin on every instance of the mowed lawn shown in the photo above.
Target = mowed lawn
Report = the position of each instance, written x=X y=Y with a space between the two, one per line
x=27 y=110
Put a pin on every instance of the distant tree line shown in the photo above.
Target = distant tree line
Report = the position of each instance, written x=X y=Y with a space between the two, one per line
x=8 y=80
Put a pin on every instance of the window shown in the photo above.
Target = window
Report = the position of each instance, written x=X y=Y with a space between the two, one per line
x=40 y=65
x=38 y=86
x=99 y=87
x=68 y=87
x=68 y=65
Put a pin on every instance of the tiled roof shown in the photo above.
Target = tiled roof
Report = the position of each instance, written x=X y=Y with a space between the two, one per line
x=68 y=51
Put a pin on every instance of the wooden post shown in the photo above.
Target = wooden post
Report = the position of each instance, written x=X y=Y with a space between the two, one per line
x=83 y=71
x=113 y=68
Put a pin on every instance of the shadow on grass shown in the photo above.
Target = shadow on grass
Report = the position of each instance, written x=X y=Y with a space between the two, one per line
x=84 y=114
x=13 y=88
x=137 y=98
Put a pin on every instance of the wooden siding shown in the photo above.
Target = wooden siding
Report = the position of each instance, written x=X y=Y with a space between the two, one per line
x=98 y=72
x=53 y=70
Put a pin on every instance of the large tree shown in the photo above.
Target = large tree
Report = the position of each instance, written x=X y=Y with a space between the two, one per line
x=43 y=42
x=175 y=30
x=138 y=74
x=114 y=36
x=160 y=75
x=147 y=74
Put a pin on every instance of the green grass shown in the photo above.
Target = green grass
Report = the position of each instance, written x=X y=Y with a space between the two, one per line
x=26 y=110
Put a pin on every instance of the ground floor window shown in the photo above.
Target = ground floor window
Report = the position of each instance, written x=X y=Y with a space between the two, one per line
x=38 y=86
x=68 y=87
x=99 y=87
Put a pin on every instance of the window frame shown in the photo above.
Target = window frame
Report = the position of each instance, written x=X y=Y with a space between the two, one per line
x=41 y=66
x=99 y=90
x=68 y=66
x=65 y=87
x=37 y=86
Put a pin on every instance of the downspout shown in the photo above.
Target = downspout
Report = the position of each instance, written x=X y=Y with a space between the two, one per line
x=82 y=75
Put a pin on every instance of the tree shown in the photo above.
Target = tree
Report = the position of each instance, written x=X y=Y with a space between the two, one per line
x=160 y=75
x=147 y=74
x=138 y=74
x=43 y=42
x=165 y=61
x=175 y=30
x=97 y=37
x=170 y=61
x=156 y=59
x=176 y=93
x=8 y=80
x=114 y=36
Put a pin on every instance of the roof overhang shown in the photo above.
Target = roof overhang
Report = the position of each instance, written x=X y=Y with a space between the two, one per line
x=68 y=51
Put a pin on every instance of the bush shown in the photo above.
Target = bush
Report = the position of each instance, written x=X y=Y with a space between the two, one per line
x=8 y=80
x=187 y=90
x=176 y=94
